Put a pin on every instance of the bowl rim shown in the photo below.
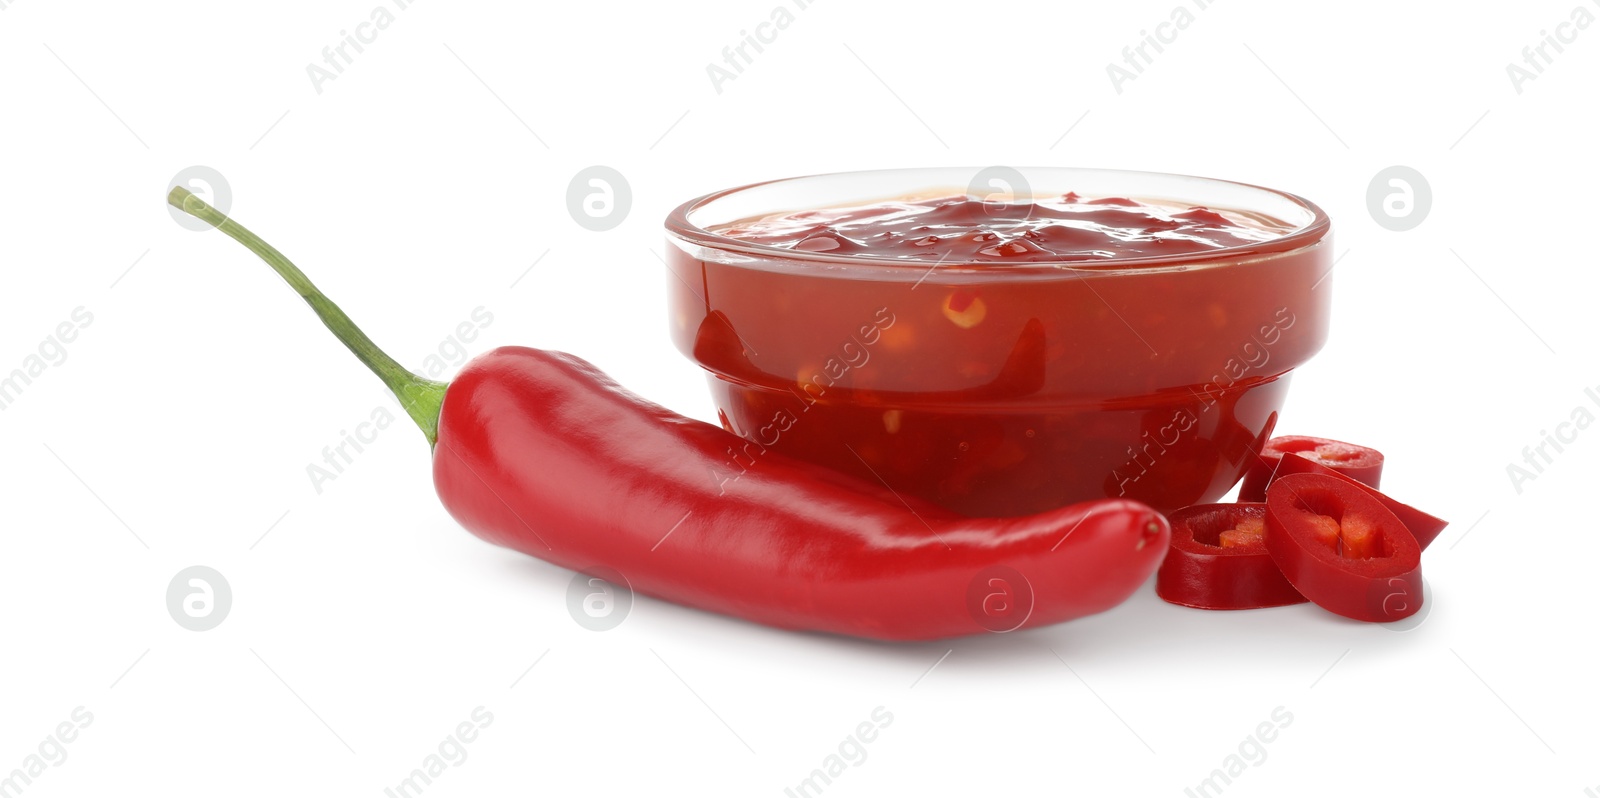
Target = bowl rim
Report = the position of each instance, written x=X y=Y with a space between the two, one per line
x=1310 y=234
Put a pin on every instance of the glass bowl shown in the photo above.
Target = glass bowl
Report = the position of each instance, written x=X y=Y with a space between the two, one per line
x=1151 y=378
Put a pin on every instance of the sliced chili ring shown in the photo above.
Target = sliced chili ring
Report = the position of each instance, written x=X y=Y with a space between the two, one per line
x=1360 y=463
x=1215 y=563
x=1370 y=571
x=1424 y=527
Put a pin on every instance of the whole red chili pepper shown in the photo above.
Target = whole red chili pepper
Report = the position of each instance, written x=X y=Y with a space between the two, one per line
x=540 y=452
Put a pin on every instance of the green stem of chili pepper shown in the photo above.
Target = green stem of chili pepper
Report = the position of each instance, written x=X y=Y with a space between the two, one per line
x=420 y=397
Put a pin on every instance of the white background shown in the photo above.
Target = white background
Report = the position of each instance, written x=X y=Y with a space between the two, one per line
x=424 y=181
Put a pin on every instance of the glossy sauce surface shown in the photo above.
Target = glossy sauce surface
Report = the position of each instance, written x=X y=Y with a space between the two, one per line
x=959 y=228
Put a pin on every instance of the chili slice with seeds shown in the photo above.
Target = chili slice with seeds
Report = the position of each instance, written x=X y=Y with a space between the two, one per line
x=1342 y=549
x=1363 y=464
x=1424 y=527
x=1218 y=560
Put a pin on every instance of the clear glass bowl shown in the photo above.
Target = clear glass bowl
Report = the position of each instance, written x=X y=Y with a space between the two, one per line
x=1152 y=378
